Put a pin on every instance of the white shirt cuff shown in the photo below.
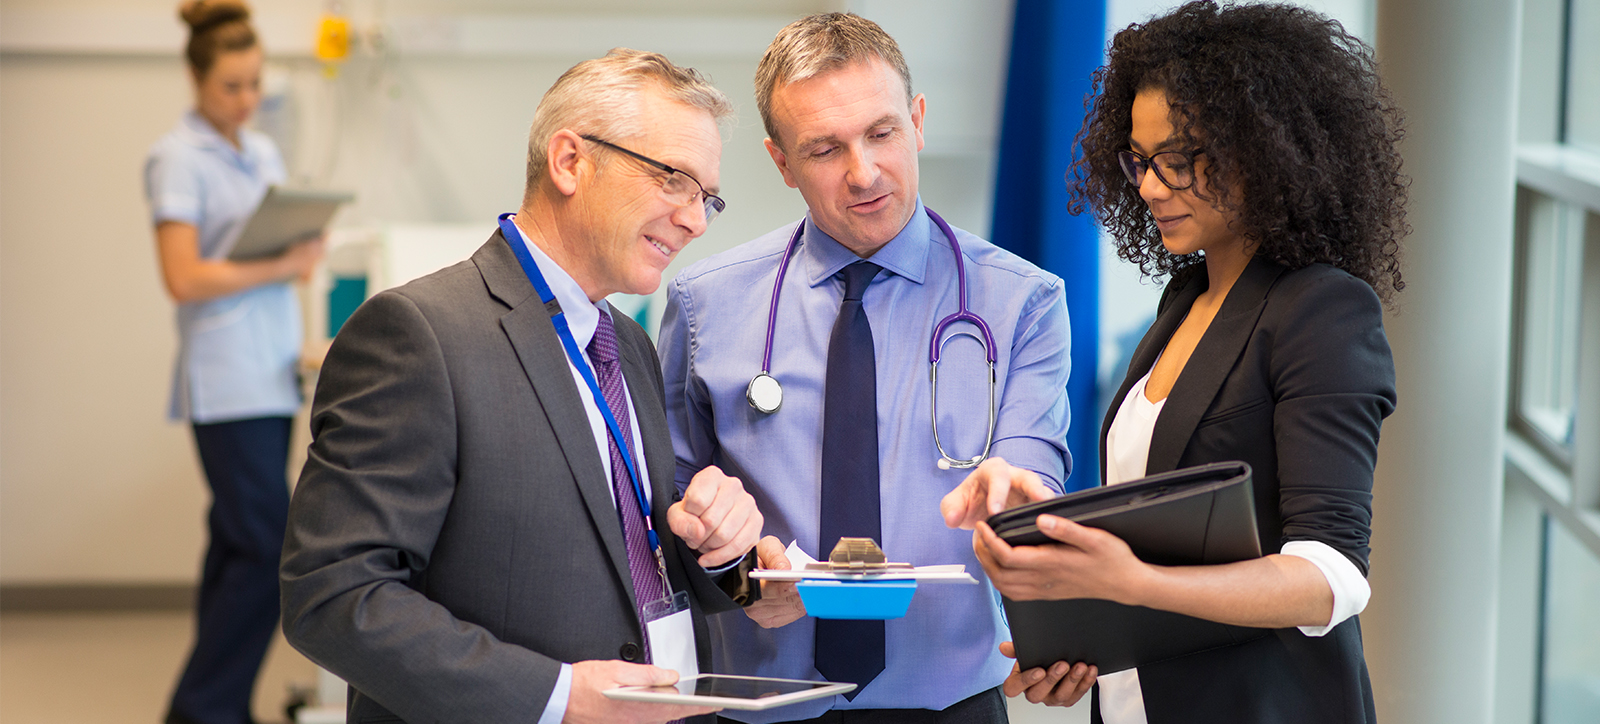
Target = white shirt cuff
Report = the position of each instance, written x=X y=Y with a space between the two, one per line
x=556 y=708
x=1350 y=589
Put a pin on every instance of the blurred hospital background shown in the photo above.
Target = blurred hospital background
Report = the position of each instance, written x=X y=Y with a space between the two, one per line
x=1486 y=561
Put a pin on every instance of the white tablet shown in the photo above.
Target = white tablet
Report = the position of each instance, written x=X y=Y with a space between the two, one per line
x=732 y=692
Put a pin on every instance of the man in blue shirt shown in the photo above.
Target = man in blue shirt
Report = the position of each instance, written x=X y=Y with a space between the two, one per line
x=850 y=450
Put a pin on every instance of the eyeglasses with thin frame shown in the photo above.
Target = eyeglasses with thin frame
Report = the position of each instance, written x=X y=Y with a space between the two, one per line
x=1173 y=168
x=677 y=186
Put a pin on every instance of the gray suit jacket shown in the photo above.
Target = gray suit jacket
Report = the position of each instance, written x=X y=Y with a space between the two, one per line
x=453 y=537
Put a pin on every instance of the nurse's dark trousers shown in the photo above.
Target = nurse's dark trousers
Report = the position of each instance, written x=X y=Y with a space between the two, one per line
x=237 y=610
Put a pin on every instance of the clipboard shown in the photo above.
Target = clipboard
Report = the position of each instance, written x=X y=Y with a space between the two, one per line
x=1202 y=515
x=284 y=217
x=858 y=581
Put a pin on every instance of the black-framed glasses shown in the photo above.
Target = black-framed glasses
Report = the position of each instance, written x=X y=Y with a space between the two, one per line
x=679 y=187
x=1173 y=168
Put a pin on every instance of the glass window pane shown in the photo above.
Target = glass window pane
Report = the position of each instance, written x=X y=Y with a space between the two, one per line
x=1571 y=667
x=1547 y=388
x=1583 y=75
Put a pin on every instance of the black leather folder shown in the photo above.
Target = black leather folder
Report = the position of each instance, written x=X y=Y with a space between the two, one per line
x=1194 y=516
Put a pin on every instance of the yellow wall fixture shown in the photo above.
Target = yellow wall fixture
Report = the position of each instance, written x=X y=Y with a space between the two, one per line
x=333 y=42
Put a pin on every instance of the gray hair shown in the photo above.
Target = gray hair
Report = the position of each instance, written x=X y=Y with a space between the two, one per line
x=600 y=97
x=819 y=43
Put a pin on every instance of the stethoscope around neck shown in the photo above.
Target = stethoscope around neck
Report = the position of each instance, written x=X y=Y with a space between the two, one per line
x=765 y=394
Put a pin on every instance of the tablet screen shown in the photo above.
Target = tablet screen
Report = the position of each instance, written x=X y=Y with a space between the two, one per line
x=730 y=687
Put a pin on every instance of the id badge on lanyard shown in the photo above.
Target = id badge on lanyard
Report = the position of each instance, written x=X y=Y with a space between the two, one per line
x=669 y=628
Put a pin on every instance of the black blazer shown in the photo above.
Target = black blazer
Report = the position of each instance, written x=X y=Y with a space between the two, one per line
x=1293 y=376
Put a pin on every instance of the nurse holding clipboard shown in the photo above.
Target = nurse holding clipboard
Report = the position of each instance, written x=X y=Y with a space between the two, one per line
x=239 y=329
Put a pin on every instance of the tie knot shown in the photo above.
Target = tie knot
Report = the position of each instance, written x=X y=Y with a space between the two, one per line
x=856 y=278
x=603 y=347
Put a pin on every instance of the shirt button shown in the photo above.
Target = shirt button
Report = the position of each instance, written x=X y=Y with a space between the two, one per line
x=630 y=652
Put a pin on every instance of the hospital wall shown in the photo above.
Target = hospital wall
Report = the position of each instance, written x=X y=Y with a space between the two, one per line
x=96 y=487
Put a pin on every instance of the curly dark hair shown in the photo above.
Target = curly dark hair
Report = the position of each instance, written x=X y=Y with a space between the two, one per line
x=1298 y=130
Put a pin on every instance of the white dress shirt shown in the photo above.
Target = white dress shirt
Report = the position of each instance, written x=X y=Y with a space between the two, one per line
x=583 y=317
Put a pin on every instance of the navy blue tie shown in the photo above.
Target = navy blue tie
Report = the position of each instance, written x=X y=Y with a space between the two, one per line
x=850 y=651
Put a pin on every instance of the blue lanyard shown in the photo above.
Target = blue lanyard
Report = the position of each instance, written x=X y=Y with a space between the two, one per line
x=559 y=319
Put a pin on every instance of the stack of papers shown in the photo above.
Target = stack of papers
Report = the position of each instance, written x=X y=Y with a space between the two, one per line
x=800 y=569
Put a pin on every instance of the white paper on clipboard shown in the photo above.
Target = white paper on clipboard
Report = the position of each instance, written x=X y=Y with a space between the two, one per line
x=799 y=559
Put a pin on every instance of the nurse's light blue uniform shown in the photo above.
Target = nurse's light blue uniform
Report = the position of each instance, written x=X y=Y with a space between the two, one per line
x=235 y=381
x=236 y=354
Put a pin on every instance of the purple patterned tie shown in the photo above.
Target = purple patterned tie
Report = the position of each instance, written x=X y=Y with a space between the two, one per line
x=647 y=583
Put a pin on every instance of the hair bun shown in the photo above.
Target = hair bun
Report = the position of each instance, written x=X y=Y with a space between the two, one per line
x=203 y=14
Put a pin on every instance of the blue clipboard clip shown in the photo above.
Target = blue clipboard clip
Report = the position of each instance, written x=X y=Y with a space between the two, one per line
x=859 y=582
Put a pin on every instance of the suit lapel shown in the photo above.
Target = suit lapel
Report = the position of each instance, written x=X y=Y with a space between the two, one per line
x=1150 y=347
x=1208 y=367
x=538 y=348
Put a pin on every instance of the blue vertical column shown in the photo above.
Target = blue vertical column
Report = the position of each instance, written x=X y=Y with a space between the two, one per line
x=1056 y=45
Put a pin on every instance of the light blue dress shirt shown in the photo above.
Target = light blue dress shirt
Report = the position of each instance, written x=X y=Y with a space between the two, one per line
x=237 y=355
x=945 y=649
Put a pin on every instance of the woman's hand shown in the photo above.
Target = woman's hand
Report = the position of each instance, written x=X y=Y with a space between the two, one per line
x=302 y=257
x=1087 y=563
x=1062 y=684
x=1273 y=591
x=191 y=278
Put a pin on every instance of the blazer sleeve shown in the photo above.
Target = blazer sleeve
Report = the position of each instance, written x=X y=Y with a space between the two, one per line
x=1333 y=383
x=375 y=491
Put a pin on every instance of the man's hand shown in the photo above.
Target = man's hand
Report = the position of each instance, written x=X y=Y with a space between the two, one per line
x=780 y=603
x=994 y=486
x=586 y=705
x=716 y=517
x=1060 y=685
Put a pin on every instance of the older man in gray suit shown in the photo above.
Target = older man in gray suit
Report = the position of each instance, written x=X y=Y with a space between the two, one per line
x=469 y=539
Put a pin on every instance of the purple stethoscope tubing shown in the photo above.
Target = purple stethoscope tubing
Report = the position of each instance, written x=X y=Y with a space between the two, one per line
x=962 y=313
x=766 y=395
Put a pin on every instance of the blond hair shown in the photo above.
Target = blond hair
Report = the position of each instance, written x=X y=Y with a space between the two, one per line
x=600 y=97
x=215 y=27
x=819 y=43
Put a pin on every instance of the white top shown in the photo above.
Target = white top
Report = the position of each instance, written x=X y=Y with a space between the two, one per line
x=1127 y=451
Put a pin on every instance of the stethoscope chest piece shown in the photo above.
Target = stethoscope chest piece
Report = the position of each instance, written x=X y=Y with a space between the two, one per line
x=764 y=393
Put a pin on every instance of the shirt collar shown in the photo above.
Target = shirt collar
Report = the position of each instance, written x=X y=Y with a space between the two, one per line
x=583 y=316
x=199 y=132
x=906 y=255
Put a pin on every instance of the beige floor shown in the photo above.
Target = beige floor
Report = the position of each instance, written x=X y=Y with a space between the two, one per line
x=118 y=668
x=115 y=668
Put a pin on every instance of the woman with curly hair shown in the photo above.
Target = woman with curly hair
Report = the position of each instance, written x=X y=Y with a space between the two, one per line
x=1249 y=153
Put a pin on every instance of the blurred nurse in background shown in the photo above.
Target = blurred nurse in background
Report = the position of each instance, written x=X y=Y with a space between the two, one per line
x=239 y=330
